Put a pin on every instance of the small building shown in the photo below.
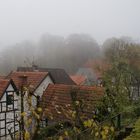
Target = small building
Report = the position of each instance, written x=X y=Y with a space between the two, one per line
x=98 y=68
x=8 y=109
x=36 y=83
x=89 y=74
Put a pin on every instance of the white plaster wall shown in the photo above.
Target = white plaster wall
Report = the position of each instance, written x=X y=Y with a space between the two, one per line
x=10 y=88
x=39 y=91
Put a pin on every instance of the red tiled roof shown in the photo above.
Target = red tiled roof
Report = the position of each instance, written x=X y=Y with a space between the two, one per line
x=59 y=76
x=2 y=77
x=3 y=85
x=78 y=79
x=33 y=78
x=60 y=95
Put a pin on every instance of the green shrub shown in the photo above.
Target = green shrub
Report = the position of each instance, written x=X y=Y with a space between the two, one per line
x=135 y=135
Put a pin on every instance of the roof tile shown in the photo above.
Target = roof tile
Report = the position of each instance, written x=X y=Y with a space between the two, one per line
x=78 y=79
x=60 y=95
x=59 y=76
x=3 y=85
x=32 y=78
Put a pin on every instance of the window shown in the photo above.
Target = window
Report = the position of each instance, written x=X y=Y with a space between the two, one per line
x=9 y=98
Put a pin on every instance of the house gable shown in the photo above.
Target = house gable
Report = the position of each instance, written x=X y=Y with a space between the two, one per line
x=43 y=85
x=34 y=79
x=11 y=89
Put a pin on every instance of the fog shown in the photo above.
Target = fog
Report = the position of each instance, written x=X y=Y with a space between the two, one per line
x=63 y=33
x=51 y=51
x=28 y=19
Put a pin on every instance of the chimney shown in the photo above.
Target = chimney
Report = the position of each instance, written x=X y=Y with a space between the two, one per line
x=23 y=81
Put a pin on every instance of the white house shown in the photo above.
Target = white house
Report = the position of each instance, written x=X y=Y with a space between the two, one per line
x=8 y=109
x=35 y=81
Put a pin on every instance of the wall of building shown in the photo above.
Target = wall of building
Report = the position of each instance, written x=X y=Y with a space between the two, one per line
x=39 y=91
x=7 y=114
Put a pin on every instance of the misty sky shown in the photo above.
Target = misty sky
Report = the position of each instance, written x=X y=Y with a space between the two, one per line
x=29 y=19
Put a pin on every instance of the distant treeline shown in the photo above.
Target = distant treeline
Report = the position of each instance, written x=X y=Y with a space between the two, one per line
x=53 y=51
